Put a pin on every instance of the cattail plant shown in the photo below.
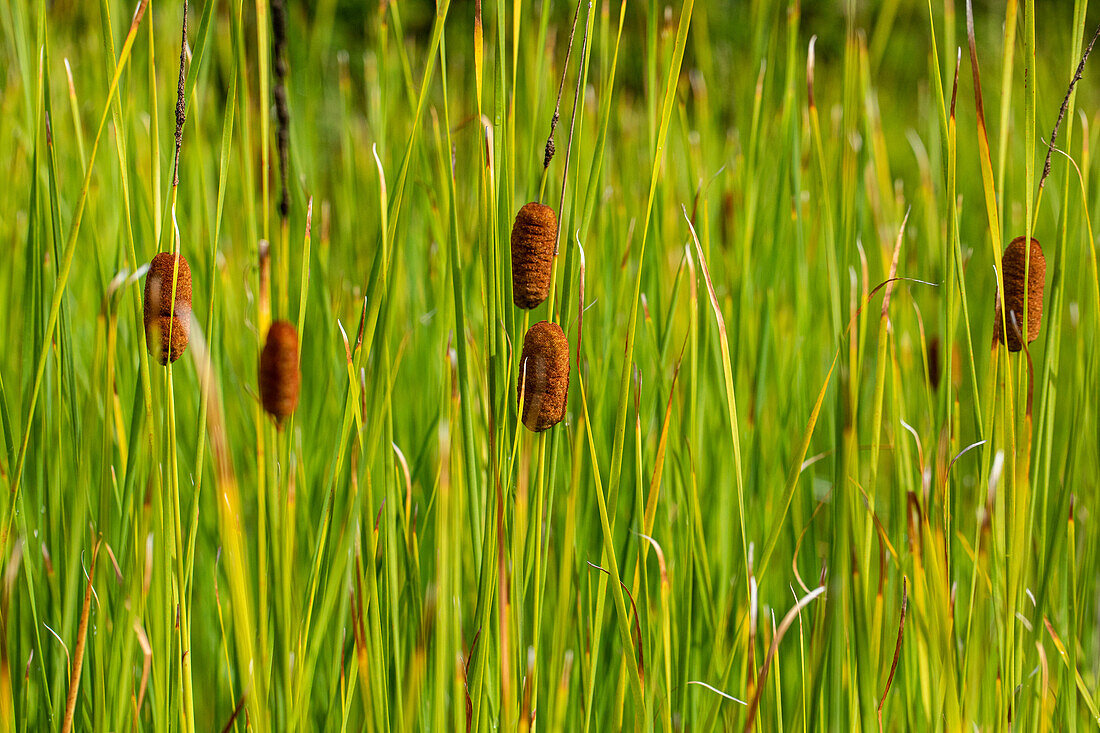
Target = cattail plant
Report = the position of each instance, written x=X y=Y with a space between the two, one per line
x=282 y=113
x=534 y=237
x=1015 y=269
x=934 y=362
x=279 y=375
x=167 y=321
x=938 y=350
x=544 y=376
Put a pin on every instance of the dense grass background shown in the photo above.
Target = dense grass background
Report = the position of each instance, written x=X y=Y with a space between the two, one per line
x=760 y=510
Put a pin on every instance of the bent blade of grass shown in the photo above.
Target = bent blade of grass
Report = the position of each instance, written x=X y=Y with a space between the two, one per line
x=655 y=177
x=797 y=466
x=70 y=250
x=380 y=270
x=666 y=633
x=1040 y=477
x=303 y=292
x=988 y=187
x=601 y=137
x=65 y=337
x=619 y=436
x=207 y=365
x=1008 y=57
x=781 y=631
x=731 y=399
x=127 y=214
x=613 y=569
x=78 y=652
x=9 y=440
x=473 y=486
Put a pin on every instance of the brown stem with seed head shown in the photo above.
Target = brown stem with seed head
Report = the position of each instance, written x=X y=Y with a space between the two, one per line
x=572 y=121
x=548 y=153
x=181 y=105
x=282 y=113
x=1065 y=105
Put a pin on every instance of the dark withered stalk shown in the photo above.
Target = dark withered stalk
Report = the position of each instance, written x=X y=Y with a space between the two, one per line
x=282 y=113
x=1065 y=105
x=572 y=120
x=181 y=105
x=548 y=153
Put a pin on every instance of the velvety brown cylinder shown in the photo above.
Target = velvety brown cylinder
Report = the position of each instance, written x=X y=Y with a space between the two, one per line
x=280 y=379
x=544 y=376
x=534 y=236
x=934 y=362
x=167 y=324
x=1014 y=270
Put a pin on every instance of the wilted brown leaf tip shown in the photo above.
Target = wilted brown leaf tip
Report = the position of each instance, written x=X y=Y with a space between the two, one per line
x=167 y=324
x=534 y=235
x=544 y=376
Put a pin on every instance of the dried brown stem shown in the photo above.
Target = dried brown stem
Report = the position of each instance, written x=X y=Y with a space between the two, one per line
x=897 y=647
x=548 y=153
x=282 y=113
x=181 y=105
x=1065 y=105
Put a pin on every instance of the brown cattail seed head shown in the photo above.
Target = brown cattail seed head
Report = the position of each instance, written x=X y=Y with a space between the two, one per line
x=934 y=362
x=279 y=375
x=1014 y=270
x=544 y=376
x=534 y=236
x=167 y=323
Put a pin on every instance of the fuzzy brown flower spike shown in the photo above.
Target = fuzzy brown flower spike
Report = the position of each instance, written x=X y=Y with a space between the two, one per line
x=934 y=362
x=534 y=236
x=279 y=376
x=167 y=324
x=544 y=376
x=1014 y=270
